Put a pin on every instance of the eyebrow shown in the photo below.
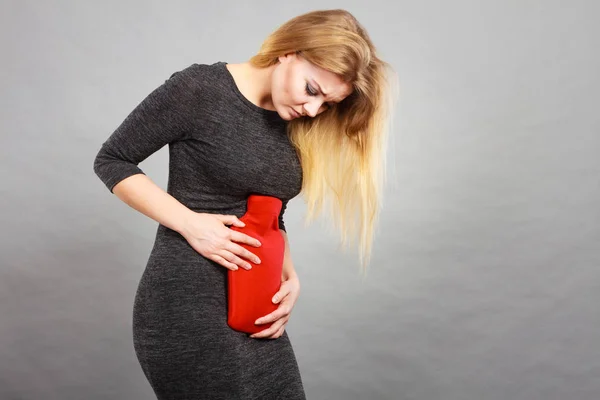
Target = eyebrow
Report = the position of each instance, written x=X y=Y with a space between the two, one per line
x=319 y=86
x=329 y=103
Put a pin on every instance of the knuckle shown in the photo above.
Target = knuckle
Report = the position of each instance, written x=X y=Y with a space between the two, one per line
x=210 y=246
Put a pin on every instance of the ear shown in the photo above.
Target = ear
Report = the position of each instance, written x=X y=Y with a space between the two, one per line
x=286 y=58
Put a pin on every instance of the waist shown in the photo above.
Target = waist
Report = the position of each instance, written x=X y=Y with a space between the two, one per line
x=254 y=204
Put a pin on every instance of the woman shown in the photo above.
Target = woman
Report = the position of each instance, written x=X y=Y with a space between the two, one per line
x=310 y=108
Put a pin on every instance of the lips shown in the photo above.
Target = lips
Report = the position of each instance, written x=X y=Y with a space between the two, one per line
x=294 y=113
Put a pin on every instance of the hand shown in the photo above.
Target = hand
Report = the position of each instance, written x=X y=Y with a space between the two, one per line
x=209 y=236
x=286 y=297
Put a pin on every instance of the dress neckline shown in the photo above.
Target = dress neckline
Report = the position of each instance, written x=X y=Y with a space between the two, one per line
x=255 y=108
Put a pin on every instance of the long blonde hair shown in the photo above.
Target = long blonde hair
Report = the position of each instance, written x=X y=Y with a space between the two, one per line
x=343 y=149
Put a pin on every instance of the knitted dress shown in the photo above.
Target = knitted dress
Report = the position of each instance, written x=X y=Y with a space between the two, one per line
x=222 y=148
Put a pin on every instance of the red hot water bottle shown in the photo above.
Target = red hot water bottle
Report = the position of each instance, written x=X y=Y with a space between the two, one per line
x=250 y=292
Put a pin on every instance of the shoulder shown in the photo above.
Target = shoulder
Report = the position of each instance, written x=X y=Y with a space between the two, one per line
x=201 y=90
x=192 y=80
x=199 y=74
x=206 y=81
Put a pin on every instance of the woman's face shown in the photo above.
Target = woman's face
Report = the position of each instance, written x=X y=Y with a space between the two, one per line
x=299 y=87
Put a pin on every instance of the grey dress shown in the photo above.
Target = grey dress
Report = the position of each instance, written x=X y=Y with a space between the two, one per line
x=222 y=148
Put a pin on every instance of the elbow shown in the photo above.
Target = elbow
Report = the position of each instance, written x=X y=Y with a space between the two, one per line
x=97 y=164
x=104 y=163
x=102 y=166
x=112 y=169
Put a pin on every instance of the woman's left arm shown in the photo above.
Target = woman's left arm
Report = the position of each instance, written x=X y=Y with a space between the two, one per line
x=286 y=297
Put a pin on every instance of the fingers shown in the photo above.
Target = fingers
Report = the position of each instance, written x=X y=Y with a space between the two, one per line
x=279 y=317
x=279 y=332
x=273 y=332
x=220 y=245
x=240 y=251
x=243 y=238
x=224 y=262
x=280 y=295
x=234 y=259
x=230 y=220
x=281 y=312
x=238 y=236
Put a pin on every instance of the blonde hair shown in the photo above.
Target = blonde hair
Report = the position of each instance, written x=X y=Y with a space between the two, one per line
x=343 y=149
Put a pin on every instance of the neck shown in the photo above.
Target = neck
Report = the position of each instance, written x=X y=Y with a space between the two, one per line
x=259 y=84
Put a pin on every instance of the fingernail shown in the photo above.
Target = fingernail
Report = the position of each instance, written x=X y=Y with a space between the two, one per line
x=274 y=299
x=257 y=261
x=248 y=266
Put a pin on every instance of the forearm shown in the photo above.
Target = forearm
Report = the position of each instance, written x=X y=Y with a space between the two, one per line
x=288 y=267
x=141 y=193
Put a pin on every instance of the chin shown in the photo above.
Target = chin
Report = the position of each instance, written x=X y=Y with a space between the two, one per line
x=291 y=114
x=287 y=115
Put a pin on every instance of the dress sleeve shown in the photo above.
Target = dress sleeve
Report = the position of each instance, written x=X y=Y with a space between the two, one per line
x=280 y=222
x=161 y=118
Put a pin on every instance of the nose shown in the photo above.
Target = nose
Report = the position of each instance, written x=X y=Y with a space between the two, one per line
x=312 y=108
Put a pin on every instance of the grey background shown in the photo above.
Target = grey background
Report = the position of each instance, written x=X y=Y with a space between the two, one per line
x=484 y=282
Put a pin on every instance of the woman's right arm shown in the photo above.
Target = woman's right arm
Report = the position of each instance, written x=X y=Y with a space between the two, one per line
x=161 y=118
x=142 y=194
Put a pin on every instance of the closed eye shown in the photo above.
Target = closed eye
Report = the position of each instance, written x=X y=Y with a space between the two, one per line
x=310 y=91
